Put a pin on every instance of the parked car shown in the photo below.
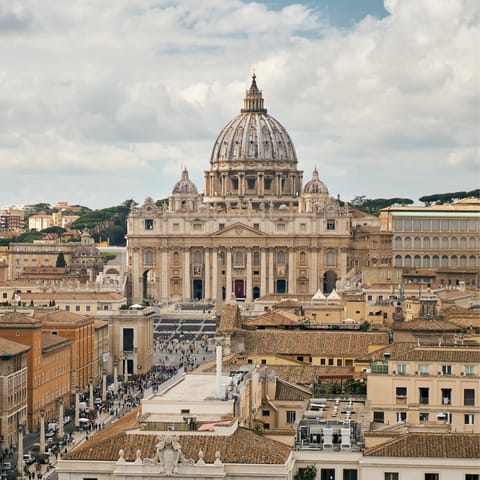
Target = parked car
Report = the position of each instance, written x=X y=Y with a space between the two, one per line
x=28 y=458
x=6 y=467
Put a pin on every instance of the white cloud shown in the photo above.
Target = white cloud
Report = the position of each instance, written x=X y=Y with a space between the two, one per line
x=139 y=88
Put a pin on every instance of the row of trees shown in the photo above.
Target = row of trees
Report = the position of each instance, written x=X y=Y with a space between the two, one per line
x=373 y=206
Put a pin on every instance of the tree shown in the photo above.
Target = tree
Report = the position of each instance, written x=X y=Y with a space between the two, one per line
x=61 y=263
x=307 y=473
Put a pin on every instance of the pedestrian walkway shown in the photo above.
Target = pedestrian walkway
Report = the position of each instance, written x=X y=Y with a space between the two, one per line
x=78 y=437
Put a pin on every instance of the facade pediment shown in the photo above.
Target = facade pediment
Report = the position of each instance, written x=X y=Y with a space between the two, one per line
x=238 y=230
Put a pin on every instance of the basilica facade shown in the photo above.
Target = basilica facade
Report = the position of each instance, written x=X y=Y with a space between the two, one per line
x=256 y=229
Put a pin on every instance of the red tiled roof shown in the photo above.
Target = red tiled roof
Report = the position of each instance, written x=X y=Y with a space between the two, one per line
x=346 y=344
x=433 y=445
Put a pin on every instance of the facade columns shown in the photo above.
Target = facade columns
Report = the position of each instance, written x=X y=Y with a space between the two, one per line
x=207 y=288
x=263 y=272
x=228 y=284
x=271 y=286
x=314 y=271
x=291 y=271
x=164 y=273
x=215 y=274
x=186 y=274
x=249 y=292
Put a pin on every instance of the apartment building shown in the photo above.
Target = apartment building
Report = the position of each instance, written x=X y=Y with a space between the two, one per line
x=13 y=389
x=426 y=386
x=48 y=364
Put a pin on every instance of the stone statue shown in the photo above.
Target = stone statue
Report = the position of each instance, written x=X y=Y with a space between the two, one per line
x=169 y=454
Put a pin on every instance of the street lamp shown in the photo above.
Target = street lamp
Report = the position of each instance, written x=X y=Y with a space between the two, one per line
x=60 y=418
x=104 y=385
x=20 y=461
x=42 y=431
x=77 y=407
x=90 y=394
x=115 y=377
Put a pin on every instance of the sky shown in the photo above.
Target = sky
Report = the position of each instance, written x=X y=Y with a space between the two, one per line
x=101 y=102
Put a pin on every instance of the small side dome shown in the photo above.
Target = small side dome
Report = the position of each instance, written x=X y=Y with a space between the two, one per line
x=315 y=185
x=185 y=185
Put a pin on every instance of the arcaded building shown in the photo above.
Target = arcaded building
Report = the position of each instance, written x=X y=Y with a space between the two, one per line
x=256 y=229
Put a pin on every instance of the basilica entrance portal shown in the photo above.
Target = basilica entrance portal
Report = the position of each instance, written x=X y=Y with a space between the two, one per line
x=239 y=288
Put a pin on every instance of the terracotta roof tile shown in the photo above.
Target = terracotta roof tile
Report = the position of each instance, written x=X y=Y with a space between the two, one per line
x=243 y=446
x=275 y=319
x=436 y=445
x=349 y=344
x=7 y=347
x=285 y=391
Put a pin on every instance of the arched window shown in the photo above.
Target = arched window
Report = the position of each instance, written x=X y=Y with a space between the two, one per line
x=454 y=242
x=454 y=261
x=239 y=257
x=398 y=243
x=463 y=242
x=426 y=261
x=417 y=243
x=408 y=243
x=148 y=257
x=256 y=259
x=221 y=258
x=398 y=261
x=463 y=261
x=176 y=258
x=435 y=242
x=472 y=243
x=444 y=242
x=444 y=261
x=435 y=261
x=417 y=261
x=426 y=242
x=472 y=261
x=303 y=258
x=330 y=258
x=408 y=261
x=281 y=257
x=197 y=257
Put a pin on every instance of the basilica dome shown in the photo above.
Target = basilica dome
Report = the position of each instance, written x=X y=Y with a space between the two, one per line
x=315 y=185
x=253 y=159
x=253 y=135
x=185 y=185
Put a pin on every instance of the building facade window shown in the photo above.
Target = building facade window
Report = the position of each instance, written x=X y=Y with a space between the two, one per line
x=390 y=476
x=291 y=416
x=469 y=419
x=379 y=417
x=148 y=224
x=469 y=397
x=330 y=224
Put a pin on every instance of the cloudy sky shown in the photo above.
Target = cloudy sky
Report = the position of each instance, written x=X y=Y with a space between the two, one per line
x=103 y=101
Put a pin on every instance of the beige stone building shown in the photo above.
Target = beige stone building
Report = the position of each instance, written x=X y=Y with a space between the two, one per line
x=441 y=242
x=130 y=335
x=255 y=230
